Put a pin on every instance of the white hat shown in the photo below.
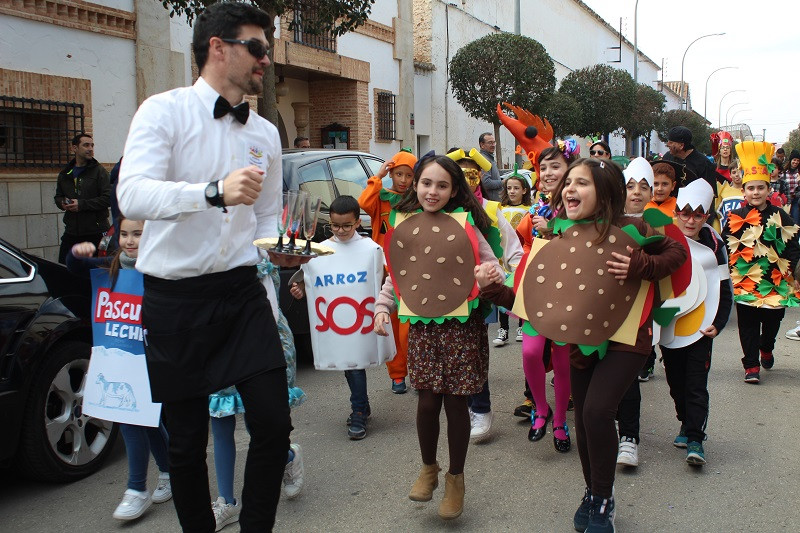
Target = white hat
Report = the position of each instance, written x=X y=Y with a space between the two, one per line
x=639 y=169
x=697 y=194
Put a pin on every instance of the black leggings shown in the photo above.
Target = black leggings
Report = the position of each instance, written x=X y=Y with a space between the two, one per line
x=429 y=405
x=597 y=391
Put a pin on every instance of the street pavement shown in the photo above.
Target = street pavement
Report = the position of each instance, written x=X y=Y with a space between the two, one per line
x=749 y=484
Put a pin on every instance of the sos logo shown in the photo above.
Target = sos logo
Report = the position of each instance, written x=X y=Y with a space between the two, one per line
x=344 y=315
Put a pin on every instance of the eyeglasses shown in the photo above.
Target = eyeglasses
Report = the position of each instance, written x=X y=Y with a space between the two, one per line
x=691 y=215
x=339 y=227
x=256 y=48
x=597 y=152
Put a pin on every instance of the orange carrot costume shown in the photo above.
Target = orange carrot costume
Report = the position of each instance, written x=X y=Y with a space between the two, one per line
x=377 y=202
x=667 y=206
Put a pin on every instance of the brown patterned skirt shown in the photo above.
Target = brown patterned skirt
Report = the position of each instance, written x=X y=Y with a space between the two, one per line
x=449 y=358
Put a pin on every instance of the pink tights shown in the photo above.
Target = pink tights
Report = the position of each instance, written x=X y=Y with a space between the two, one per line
x=533 y=365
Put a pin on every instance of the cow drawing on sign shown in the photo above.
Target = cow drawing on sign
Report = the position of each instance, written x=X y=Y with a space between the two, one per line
x=116 y=394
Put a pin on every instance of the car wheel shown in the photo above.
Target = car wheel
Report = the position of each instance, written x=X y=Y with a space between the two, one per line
x=59 y=442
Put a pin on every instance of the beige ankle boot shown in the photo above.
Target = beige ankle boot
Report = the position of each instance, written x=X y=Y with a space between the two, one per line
x=428 y=479
x=453 y=501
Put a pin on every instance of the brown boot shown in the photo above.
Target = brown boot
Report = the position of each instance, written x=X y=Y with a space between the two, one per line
x=453 y=501
x=428 y=479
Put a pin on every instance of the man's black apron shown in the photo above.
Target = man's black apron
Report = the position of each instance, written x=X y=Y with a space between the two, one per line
x=207 y=333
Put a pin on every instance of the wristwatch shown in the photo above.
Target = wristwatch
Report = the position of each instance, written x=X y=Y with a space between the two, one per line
x=214 y=194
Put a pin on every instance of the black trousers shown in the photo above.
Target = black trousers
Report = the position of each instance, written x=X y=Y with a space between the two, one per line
x=597 y=391
x=687 y=375
x=68 y=241
x=758 y=327
x=268 y=421
x=629 y=411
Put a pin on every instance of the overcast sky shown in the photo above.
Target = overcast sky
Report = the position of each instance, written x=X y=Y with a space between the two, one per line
x=762 y=39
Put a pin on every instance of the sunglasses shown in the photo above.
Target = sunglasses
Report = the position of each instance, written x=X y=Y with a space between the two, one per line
x=256 y=48
x=597 y=152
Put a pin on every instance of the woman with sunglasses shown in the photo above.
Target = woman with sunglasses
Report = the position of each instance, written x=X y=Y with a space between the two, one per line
x=600 y=150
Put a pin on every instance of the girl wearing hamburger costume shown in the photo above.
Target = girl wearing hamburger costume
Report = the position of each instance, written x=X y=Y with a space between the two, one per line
x=432 y=250
x=591 y=286
x=763 y=252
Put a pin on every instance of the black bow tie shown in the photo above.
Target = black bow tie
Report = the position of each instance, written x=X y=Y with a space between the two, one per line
x=222 y=107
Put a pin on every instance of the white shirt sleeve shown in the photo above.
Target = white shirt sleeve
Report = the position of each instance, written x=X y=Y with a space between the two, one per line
x=270 y=202
x=143 y=191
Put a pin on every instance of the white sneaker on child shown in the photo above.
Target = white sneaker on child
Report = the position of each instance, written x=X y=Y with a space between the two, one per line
x=225 y=513
x=481 y=425
x=794 y=333
x=293 y=474
x=133 y=505
x=628 y=454
x=519 y=334
x=163 y=490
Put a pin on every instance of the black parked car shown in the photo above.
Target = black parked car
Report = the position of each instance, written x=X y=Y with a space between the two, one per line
x=326 y=174
x=45 y=344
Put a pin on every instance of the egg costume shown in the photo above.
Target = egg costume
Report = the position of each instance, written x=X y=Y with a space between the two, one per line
x=706 y=302
x=763 y=252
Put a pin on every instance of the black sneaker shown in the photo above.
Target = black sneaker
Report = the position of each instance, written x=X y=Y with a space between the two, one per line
x=581 y=519
x=524 y=410
x=646 y=374
x=767 y=360
x=601 y=517
x=399 y=386
x=502 y=337
x=358 y=426
x=367 y=414
x=751 y=375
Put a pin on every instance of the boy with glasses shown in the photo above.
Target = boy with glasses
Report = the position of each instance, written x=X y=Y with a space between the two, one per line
x=687 y=351
x=351 y=278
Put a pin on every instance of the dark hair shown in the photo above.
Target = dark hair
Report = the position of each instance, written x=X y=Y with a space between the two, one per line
x=604 y=144
x=609 y=191
x=115 y=264
x=223 y=20
x=482 y=138
x=463 y=197
x=345 y=204
x=77 y=139
x=298 y=140
x=780 y=151
x=665 y=169
x=550 y=153
x=526 y=197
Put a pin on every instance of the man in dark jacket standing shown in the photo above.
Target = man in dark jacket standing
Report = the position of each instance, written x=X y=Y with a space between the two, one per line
x=681 y=150
x=83 y=193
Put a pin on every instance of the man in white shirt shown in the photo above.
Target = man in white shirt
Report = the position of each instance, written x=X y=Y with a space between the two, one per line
x=206 y=178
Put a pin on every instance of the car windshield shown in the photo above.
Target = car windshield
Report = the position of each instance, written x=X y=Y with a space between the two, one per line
x=314 y=179
x=348 y=175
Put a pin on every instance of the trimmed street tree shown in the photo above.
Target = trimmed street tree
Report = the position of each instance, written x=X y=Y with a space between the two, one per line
x=792 y=141
x=646 y=115
x=564 y=113
x=502 y=67
x=336 y=17
x=606 y=96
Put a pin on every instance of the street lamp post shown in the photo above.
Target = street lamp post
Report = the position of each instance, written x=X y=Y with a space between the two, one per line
x=719 y=112
x=733 y=117
x=729 y=110
x=635 y=43
x=705 y=100
x=683 y=99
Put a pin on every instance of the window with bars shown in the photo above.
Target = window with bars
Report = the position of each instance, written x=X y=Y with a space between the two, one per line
x=304 y=21
x=387 y=116
x=37 y=133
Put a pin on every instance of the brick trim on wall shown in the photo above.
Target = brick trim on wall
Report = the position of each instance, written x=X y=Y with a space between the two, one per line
x=74 y=14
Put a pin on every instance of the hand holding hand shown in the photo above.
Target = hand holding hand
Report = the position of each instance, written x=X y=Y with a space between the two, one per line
x=381 y=319
x=242 y=186
x=84 y=249
x=620 y=267
x=486 y=274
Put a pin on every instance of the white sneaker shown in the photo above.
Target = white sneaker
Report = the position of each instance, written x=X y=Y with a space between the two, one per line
x=794 y=333
x=481 y=424
x=502 y=337
x=519 y=334
x=133 y=505
x=225 y=513
x=293 y=474
x=628 y=454
x=163 y=490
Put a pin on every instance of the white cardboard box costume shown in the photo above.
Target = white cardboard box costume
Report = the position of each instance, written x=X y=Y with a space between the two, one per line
x=340 y=292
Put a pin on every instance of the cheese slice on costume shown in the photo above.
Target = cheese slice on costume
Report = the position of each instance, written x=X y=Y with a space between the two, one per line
x=341 y=291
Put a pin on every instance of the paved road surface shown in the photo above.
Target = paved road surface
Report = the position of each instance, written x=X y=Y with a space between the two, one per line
x=750 y=482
